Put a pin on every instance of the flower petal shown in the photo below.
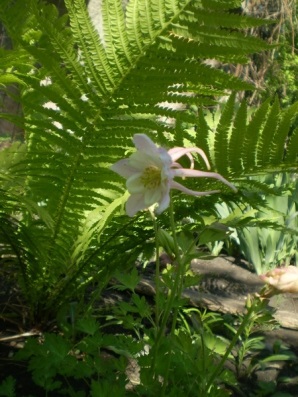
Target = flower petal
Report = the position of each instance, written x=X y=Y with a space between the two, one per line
x=185 y=172
x=152 y=196
x=134 y=204
x=164 y=157
x=165 y=201
x=172 y=153
x=178 y=152
x=141 y=160
x=134 y=184
x=291 y=269
x=123 y=168
x=143 y=143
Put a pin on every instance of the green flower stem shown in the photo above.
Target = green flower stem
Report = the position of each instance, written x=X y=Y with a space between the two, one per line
x=174 y=292
x=178 y=284
x=224 y=358
x=157 y=273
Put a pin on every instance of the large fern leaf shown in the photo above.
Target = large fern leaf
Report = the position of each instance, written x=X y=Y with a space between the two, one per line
x=86 y=94
x=251 y=141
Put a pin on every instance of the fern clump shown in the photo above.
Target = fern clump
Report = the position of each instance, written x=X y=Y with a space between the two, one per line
x=84 y=95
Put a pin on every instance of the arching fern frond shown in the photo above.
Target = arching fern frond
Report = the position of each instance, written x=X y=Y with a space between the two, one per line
x=222 y=135
x=85 y=94
x=246 y=145
x=87 y=38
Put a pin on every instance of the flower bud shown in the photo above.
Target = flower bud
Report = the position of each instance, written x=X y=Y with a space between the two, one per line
x=166 y=241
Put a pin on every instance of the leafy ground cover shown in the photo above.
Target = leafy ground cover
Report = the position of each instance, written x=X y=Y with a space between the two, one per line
x=264 y=362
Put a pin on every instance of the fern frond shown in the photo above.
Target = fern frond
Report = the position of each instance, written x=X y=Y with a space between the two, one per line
x=242 y=145
x=267 y=133
x=250 y=139
x=115 y=37
x=60 y=45
x=218 y=41
x=292 y=147
x=85 y=95
x=219 y=5
x=224 y=19
x=222 y=135
x=202 y=133
x=237 y=134
x=86 y=37
x=277 y=147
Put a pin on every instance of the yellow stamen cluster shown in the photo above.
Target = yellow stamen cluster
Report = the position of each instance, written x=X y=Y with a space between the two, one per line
x=151 y=177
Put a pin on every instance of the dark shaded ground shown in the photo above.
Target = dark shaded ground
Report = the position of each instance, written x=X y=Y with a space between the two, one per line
x=232 y=282
x=224 y=289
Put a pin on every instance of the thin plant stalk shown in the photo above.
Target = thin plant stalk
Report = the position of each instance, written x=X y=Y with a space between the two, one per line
x=224 y=358
x=157 y=272
x=174 y=292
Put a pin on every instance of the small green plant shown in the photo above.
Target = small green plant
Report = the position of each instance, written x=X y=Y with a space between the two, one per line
x=267 y=247
x=7 y=387
x=79 y=368
x=247 y=356
x=193 y=358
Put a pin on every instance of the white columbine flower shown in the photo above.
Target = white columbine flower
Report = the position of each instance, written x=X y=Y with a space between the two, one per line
x=150 y=173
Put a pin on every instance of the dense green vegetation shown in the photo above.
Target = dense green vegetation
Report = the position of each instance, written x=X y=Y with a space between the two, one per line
x=64 y=232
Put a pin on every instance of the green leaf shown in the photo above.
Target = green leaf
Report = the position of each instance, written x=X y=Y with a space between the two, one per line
x=129 y=280
x=87 y=325
x=8 y=78
x=214 y=232
x=215 y=343
x=166 y=241
x=7 y=387
x=277 y=357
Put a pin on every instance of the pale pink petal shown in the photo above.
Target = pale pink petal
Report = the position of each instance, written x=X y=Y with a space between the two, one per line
x=141 y=160
x=152 y=196
x=178 y=152
x=165 y=201
x=178 y=186
x=143 y=143
x=287 y=278
x=164 y=157
x=134 y=184
x=293 y=287
x=176 y=165
x=277 y=272
x=185 y=172
x=123 y=168
x=134 y=204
